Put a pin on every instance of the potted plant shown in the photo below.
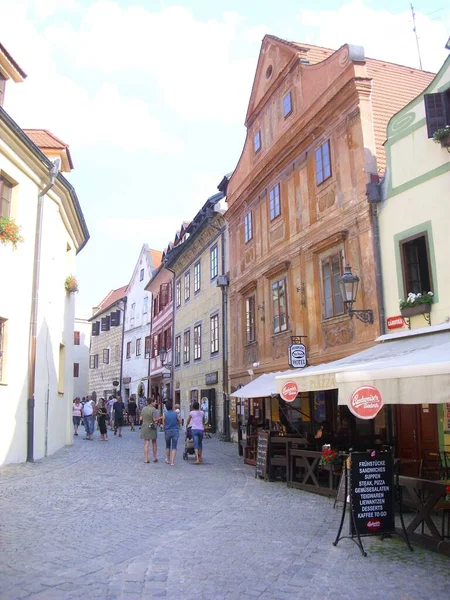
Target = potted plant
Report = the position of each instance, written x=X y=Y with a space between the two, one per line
x=442 y=136
x=416 y=304
x=71 y=284
x=9 y=232
x=330 y=459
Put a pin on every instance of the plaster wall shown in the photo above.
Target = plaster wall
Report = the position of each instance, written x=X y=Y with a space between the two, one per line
x=81 y=356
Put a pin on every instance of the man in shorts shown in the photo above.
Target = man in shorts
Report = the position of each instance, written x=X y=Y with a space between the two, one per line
x=109 y=406
x=118 y=408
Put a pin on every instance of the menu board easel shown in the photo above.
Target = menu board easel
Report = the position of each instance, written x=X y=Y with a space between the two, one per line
x=371 y=480
x=262 y=455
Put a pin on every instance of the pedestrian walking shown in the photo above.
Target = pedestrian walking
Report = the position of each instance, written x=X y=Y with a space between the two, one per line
x=197 y=418
x=118 y=408
x=89 y=410
x=132 y=410
x=102 y=415
x=77 y=407
x=149 y=428
x=171 y=422
x=109 y=406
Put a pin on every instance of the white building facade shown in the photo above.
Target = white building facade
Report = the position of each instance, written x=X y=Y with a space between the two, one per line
x=135 y=361
x=36 y=312
x=81 y=345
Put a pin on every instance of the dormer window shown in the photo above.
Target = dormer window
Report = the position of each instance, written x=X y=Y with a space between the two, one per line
x=257 y=141
x=287 y=104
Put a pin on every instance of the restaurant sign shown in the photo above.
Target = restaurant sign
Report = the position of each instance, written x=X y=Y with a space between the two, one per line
x=289 y=391
x=297 y=356
x=395 y=322
x=366 y=402
x=211 y=378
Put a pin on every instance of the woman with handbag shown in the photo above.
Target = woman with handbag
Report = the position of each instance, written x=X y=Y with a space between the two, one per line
x=149 y=429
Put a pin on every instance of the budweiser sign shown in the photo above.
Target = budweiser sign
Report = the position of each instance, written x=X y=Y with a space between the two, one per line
x=289 y=391
x=373 y=524
x=366 y=402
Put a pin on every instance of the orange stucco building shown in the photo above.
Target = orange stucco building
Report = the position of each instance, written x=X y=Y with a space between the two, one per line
x=298 y=209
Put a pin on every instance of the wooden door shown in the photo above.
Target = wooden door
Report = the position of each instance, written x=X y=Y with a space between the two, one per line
x=416 y=431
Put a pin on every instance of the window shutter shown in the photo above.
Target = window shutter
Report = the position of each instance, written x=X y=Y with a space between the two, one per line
x=115 y=318
x=164 y=294
x=435 y=112
x=96 y=328
x=105 y=323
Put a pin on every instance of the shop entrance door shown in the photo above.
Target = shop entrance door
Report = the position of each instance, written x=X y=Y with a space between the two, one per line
x=416 y=431
x=208 y=406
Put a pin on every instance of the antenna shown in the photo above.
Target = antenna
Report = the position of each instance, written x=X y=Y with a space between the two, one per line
x=415 y=33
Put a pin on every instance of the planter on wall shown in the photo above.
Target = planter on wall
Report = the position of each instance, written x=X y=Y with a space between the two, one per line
x=419 y=309
x=445 y=141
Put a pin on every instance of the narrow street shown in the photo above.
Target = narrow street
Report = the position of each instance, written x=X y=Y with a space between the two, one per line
x=95 y=522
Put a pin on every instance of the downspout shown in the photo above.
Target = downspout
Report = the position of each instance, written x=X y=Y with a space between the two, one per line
x=34 y=314
x=172 y=366
x=226 y=398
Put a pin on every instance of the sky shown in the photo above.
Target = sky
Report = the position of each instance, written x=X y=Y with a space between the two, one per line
x=151 y=96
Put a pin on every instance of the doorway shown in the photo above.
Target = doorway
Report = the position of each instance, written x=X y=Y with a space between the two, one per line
x=416 y=429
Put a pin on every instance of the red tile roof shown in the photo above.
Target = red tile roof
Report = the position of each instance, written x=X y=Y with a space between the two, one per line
x=155 y=258
x=111 y=298
x=46 y=140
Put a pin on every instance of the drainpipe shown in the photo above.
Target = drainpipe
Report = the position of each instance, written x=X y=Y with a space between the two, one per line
x=226 y=398
x=375 y=192
x=34 y=313
x=172 y=366
x=124 y=300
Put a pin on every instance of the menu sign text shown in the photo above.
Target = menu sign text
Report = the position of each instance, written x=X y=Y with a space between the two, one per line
x=372 y=492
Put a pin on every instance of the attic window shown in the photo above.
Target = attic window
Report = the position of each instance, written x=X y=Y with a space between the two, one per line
x=257 y=141
x=269 y=72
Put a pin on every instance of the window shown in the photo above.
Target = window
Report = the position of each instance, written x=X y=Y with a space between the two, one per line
x=141 y=276
x=416 y=266
x=155 y=345
x=96 y=328
x=106 y=356
x=117 y=353
x=248 y=227
x=187 y=346
x=287 y=104
x=133 y=311
x=437 y=111
x=2 y=347
x=332 y=299
x=61 y=368
x=128 y=349
x=145 y=305
x=197 y=277
x=105 y=323
x=214 y=261
x=164 y=295
x=279 y=305
x=257 y=141
x=138 y=347
x=274 y=202
x=178 y=350
x=168 y=338
x=187 y=286
x=214 y=326
x=197 y=342
x=323 y=163
x=5 y=197
x=147 y=346
x=178 y=293
x=76 y=338
x=93 y=361
x=250 y=330
x=155 y=305
x=76 y=369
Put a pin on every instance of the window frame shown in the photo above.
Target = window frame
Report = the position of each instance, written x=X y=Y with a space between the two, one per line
x=442 y=118
x=105 y=356
x=187 y=346
x=76 y=338
x=138 y=346
x=275 y=202
x=197 y=342
x=5 y=197
x=248 y=227
x=197 y=277
x=214 y=262
x=178 y=293
x=145 y=306
x=250 y=319
x=280 y=283
x=187 y=286
x=289 y=96
x=147 y=346
x=3 y=326
x=177 y=352
x=328 y=259
x=141 y=275
x=257 y=141
x=404 y=266
x=76 y=369
x=214 y=333
x=321 y=175
x=128 y=351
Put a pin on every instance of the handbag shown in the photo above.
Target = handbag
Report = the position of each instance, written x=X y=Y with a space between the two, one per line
x=152 y=425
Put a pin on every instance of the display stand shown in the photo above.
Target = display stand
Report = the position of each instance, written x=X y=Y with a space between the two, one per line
x=371 y=480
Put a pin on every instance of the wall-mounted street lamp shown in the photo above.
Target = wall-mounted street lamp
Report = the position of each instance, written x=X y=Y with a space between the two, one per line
x=348 y=284
x=163 y=355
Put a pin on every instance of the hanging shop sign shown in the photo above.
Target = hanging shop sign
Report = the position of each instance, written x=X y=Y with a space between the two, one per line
x=396 y=322
x=297 y=356
x=289 y=391
x=366 y=402
x=211 y=378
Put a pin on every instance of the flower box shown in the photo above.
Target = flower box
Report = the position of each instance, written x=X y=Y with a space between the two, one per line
x=445 y=141
x=418 y=309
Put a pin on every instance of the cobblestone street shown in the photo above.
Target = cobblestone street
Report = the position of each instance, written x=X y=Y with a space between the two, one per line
x=94 y=521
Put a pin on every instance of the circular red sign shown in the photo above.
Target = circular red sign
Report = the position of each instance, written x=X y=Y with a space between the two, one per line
x=289 y=391
x=366 y=402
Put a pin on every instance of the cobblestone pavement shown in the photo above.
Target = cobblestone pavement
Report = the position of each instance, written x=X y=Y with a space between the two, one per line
x=95 y=522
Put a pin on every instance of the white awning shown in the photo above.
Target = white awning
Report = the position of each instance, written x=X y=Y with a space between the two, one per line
x=411 y=367
x=261 y=387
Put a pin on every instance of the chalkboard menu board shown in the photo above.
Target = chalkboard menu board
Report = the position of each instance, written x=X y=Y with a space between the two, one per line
x=372 y=493
x=262 y=454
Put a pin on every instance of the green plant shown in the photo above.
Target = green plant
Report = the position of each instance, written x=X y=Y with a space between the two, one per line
x=71 y=284
x=440 y=134
x=329 y=457
x=415 y=299
x=9 y=232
